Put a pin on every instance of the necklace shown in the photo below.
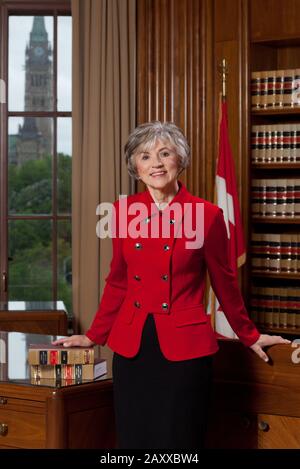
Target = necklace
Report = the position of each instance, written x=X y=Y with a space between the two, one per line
x=161 y=205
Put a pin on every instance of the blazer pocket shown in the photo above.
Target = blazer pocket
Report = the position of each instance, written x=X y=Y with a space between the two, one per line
x=190 y=315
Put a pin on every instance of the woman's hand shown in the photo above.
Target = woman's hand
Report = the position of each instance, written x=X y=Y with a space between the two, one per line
x=266 y=340
x=74 y=341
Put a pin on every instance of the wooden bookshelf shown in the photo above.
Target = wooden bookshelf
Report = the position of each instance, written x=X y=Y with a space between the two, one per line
x=286 y=41
x=278 y=330
x=267 y=166
x=271 y=49
x=275 y=220
x=251 y=408
x=280 y=111
x=283 y=275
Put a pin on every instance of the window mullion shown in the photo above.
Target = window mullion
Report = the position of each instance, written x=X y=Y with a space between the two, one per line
x=54 y=166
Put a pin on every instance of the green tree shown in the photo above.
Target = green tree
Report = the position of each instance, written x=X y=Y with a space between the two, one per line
x=30 y=241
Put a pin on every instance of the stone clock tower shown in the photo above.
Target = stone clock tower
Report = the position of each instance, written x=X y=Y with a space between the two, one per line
x=35 y=136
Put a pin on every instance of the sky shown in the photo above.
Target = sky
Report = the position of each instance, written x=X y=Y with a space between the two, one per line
x=19 y=31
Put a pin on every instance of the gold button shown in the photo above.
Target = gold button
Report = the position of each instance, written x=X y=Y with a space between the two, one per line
x=138 y=246
x=166 y=247
x=137 y=277
x=165 y=277
x=137 y=304
x=165 y=306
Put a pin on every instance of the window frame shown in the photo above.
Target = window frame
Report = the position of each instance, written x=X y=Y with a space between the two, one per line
x=29 y=8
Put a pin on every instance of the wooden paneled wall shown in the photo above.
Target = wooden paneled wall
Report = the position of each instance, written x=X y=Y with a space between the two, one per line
x=175 y=76
x=271 y=19
x=180 y=44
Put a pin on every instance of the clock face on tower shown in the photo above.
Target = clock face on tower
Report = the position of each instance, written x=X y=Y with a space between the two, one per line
x=38 y=51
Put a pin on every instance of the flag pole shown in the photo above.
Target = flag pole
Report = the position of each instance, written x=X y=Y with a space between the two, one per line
x=224 y=71
x=222 y=98
x=211 y=292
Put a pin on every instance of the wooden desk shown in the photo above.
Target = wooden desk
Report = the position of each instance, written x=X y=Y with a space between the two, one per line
x=49 y=416
x=255 y=404
x=38 y=317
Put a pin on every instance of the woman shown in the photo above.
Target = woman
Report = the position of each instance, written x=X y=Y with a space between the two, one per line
x=151 y=313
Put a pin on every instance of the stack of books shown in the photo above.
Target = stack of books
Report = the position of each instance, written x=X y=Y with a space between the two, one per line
x=276 y=143
x=64 y=365
x=275 y=88
x=276 y=307
x=275 y=197
x=275 y=253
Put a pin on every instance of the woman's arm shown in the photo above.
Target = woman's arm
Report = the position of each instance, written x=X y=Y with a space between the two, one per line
x=114 y=291
x=110 y=303
x=225 y=285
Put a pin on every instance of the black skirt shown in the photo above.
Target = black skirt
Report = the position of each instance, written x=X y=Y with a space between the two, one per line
x=160 y=404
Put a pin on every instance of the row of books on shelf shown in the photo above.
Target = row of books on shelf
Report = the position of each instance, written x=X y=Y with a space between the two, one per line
x=63 y=364
x=275 y=252
x=275 y=88
x=275 y=197
x=278 y=143
x=275 y=307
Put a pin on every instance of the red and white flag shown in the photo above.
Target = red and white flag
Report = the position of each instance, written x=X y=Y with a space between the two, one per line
x=227 y=199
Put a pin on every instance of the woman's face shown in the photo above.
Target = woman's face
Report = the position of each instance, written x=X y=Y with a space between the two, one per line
x=158 y=167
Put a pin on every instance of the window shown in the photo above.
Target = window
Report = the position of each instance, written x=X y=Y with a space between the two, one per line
x=36 y=262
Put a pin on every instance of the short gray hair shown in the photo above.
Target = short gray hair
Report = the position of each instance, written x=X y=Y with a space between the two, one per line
x=145 y=135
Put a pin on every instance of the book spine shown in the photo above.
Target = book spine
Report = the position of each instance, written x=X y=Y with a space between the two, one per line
x=65 y=357
x=279 y=88
x=255 y=89
x=54 y=357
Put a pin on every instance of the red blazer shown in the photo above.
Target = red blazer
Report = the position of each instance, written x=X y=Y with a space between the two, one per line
x=161 y=276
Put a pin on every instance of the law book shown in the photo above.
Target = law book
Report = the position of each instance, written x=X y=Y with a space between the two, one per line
x=288 y=79
x=264 y=89
x=256 y=89
x=254 y=305
x=78 y=372
x=275 y=293
x=268 y=307
x=296 y=88
x=48 y=354
x=283 y=321
x=279 y=88
x=271 y=88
